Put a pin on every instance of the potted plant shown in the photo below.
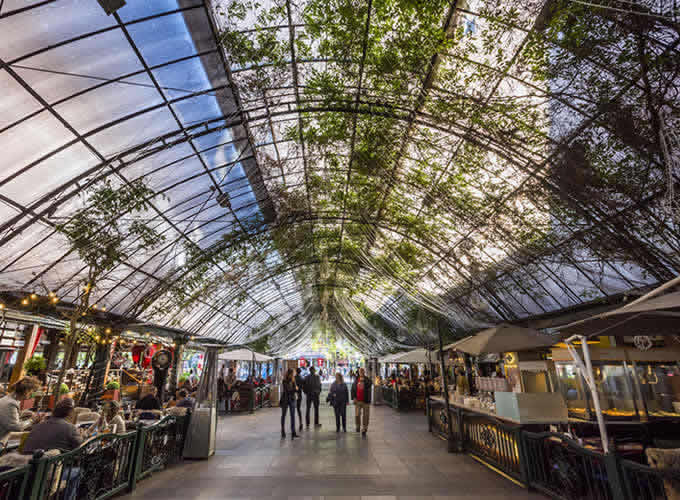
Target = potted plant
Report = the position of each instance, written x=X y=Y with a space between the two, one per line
x=35 y=365
x=112 y=392
x=64 y=391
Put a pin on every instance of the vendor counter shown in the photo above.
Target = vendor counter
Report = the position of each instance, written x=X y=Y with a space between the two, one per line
x=534 y=455
x=493 y=439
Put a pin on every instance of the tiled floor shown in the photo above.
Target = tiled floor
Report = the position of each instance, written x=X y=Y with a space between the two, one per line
x=398 y=459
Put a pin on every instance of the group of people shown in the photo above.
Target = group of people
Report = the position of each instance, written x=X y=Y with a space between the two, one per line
x=294 y=385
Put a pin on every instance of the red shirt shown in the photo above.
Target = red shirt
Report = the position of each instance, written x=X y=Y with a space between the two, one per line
x=360 y=390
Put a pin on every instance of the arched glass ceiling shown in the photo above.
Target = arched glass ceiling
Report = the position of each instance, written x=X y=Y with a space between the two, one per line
x=484 y=161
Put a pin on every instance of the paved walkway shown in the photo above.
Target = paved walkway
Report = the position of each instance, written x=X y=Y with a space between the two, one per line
x=398 y=459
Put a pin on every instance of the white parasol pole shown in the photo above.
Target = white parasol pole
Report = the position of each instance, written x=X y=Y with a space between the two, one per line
x=587 y=371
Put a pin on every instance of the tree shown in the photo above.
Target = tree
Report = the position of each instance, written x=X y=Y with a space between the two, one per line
x=105 y=232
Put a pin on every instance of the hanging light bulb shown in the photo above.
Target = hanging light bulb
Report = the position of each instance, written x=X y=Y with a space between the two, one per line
x=24 y=302
x=52 y=294
x=108 y=330
x=55 y=300
x=103 y=308
x=2 y=306
x=33 y=296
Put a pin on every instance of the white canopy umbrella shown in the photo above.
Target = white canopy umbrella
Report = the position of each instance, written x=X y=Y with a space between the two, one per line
x=414 y=356
x=390 y=357
x=244 y=355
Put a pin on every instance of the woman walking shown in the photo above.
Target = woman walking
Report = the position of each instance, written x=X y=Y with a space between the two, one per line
x=288 y=397
x=338 y=396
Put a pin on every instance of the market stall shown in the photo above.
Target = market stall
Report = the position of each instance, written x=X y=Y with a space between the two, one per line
x=406 y=390
x=250 y=390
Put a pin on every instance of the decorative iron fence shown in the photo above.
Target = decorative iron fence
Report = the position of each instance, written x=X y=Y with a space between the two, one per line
x=14 y=482
x=562 y=468
x=159 y=444
x=100 y=468
x=249 y=399
x=494 y=441
x=648 y=483
x=390 y=396
x=549 y=462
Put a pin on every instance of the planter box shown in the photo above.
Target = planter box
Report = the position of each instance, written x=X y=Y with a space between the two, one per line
x=111 y=395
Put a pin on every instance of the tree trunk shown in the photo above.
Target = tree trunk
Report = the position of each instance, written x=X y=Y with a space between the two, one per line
x=69 y=342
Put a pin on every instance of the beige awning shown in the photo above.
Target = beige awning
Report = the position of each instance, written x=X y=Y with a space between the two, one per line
x=654 y=316
x=244 y=355
x=505 y=338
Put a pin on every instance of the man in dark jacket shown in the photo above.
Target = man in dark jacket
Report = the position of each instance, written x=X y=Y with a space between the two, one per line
x=361 y=395
x=149 y=402
x=300 y=382
x=313 y=390
x=57 y=433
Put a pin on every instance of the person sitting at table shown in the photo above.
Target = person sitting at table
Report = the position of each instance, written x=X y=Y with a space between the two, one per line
x=10 y=411
x=112 y=418
x=184 y=400
x=57 y=433
x=149 y=402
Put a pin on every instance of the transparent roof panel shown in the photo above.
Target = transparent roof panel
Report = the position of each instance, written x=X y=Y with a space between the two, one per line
x=311 y=168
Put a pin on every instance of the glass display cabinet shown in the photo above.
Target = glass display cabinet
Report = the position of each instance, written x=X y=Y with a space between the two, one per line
x=659 y=388
x=627 y=390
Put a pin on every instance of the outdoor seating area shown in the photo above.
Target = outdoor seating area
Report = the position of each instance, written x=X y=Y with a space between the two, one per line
x=458 y=215
x=104 y=465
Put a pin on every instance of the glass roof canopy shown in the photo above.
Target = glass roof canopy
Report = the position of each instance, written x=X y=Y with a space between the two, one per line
x=366 y=186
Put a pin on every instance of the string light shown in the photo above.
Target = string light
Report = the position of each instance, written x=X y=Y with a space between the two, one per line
x=52 y=294
x=108 y=330
x=33 y=296
x=24 y=302
x=55 y=300
x=103 y=308
x=2 y=306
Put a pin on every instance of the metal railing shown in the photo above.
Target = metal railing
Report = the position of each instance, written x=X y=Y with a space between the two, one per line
x=14 y=482
x=101 y=467
x=562 y=468
x=550 y=462
x=649 y=483
x=98 y=469
x=403 y=399
x=159 y=445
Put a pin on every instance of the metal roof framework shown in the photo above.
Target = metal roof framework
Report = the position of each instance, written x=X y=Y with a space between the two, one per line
x=150 y=93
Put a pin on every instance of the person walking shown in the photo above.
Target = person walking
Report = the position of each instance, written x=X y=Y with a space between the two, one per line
x=288 y=395
x=313 y=391
x=300 y=382
x=361 y=395
x=338 y=397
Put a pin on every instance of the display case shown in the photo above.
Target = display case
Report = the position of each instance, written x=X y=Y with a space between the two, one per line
x=636 y=386
x=573 y=388
x=659 y=386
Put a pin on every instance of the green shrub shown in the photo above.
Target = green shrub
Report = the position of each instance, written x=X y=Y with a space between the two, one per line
x=112 y=385
x=63 y=389
x=35 y=365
